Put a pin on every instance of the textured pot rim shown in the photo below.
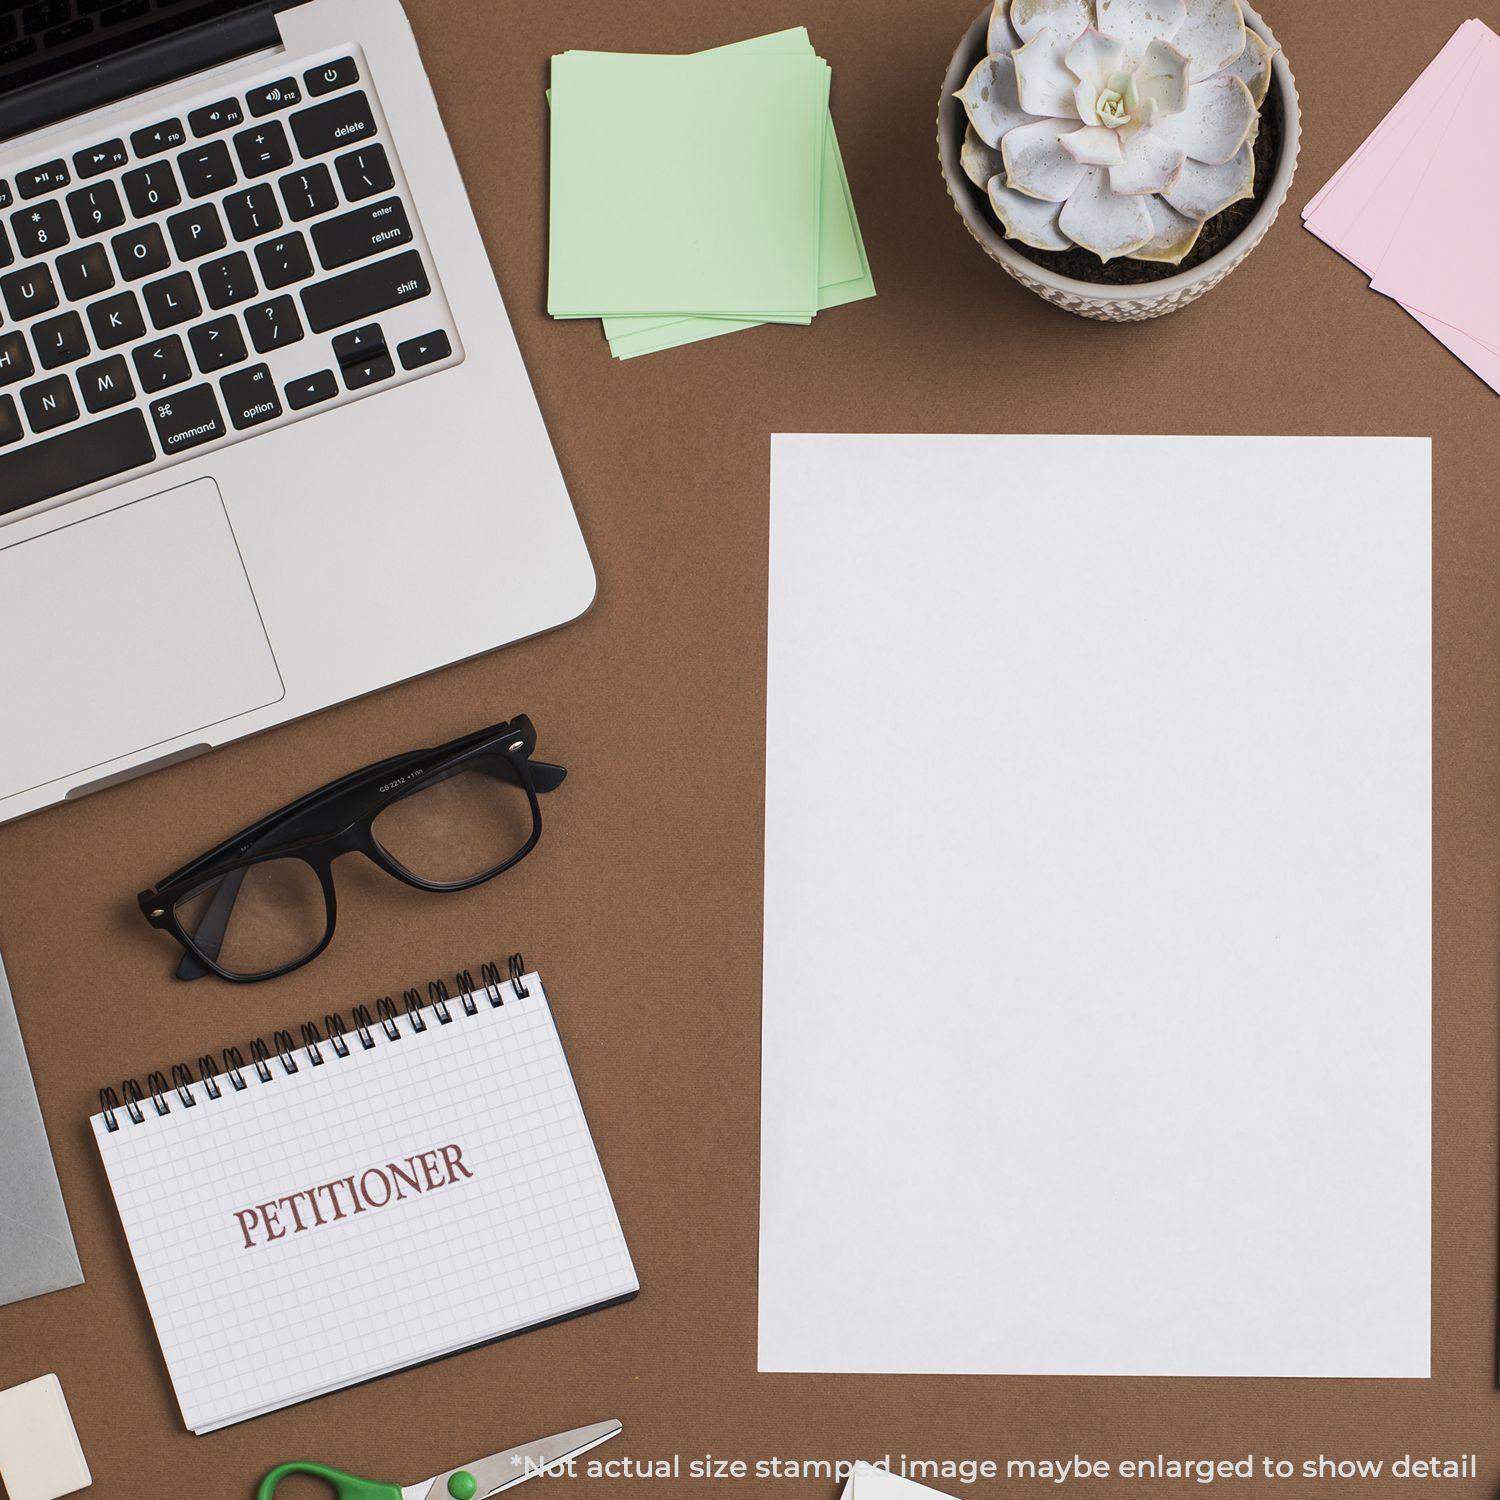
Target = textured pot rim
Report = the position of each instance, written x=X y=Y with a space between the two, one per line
x=965 y=199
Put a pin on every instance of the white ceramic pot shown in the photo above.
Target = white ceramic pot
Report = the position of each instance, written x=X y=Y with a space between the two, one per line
x=1109 y=303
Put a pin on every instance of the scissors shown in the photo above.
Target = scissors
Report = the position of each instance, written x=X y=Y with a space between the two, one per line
x=476 y=1481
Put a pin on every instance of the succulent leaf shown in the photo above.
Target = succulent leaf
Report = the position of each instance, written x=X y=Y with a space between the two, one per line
x=1253 y=66
x=1045 y=85
x=1002 y=35
x=1219 y=118
x=1202 y=191
x=1064 y=18
x=1150 y=165
x=1033 y=221
x=1106 y=222
x=1175 y=234
x=990 y=99
x=1095 y=58
x=1137 y=23
x=1213 y=35
x=1094 y=146
x=1037 y=164
x=979 y=160
x=1085 y=97
x=1163 y=77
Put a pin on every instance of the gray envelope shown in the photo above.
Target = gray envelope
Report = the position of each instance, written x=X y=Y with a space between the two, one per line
x=36 y=1245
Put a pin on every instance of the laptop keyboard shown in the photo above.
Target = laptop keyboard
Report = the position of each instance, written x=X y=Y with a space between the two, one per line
x=201 y=279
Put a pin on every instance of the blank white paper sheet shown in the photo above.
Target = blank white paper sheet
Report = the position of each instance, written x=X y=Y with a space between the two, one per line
x=1098 y=907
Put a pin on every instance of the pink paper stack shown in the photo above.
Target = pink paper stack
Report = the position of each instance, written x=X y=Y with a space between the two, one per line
x=1416 y=208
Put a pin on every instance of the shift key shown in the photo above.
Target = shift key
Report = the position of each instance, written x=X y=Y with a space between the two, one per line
x=358 y=296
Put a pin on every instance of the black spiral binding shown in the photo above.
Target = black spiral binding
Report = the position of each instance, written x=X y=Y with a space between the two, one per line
x=336 y=1038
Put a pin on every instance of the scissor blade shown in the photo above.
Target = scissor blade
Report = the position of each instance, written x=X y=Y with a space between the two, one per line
x=503 y=1471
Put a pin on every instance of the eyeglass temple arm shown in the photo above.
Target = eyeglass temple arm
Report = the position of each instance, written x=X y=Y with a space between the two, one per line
x=210 y=934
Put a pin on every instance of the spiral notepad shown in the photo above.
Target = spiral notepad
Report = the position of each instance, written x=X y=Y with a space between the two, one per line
x=367 y=1196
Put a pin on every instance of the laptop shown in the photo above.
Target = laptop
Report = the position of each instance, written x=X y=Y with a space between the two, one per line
x=266 y=440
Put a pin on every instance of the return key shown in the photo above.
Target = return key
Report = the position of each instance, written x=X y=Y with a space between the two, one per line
x=362 y=233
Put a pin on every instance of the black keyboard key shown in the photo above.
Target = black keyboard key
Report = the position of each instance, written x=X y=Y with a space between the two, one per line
x=5 y=198
x=73 y=459
x=218 y=344
x=427 y=350
x=172 y=300
x=368 y=372
x=50 y=404
x=359 y=344
x=273 y=324
x=73 y=31
x=85 y=272
x=206 y=169
x=250 y=397
x=41 y=15
x=263 y=149
x=141 y=252
x=116 y=320
x=15 y=358
x=252 y=213
x=7 y=255
x=106 y=383
x=311 y=390
x=213 y=118
x=11 y=430
x=151 y=190
x=308 y=193
x=361 y=233
x=101 y=158
x=158 y=138
x=196 y=232
x=365 y=172
x=273 y=96
x=28 y=293
x=366 y=292
x=326 y=127
x=331 y=77
x=228 y=281
x=187 y=419
x=283 y=261
x=162 y=363
x=60 y=340
x=96 y=210
x=46 y=178
x=39 y=230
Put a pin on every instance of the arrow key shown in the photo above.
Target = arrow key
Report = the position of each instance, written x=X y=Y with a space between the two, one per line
x=370 y=372
x=427 y=350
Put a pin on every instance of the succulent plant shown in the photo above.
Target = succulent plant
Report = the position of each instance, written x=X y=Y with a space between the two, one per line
x=1121 y=126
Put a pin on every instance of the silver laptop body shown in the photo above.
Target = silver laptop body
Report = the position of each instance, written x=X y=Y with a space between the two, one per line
x=266 y=440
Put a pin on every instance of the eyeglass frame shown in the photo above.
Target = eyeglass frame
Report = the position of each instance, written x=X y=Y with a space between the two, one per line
x=369 y=791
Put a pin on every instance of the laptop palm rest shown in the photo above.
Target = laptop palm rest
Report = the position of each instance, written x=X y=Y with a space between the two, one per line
x=124 y=632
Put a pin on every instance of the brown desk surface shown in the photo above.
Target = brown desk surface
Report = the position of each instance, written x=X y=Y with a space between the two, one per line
x=642 y=906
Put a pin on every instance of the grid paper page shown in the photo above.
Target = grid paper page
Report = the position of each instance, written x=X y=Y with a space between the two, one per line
x=510 y=1226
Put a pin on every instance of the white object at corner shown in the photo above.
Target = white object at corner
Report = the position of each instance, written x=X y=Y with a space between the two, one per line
x=869 y=1483
x=1098 y=964
x=40 y=1456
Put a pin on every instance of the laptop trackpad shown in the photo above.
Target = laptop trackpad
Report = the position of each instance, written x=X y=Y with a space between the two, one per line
x=125 y=631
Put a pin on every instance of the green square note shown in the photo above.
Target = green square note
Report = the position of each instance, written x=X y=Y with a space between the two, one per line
x=685 y=185
x=843 y=270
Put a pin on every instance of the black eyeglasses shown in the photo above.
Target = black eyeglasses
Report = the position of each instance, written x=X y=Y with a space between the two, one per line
x=262 y=903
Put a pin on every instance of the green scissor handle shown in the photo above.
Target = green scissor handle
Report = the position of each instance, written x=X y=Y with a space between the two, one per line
x=345 y=1486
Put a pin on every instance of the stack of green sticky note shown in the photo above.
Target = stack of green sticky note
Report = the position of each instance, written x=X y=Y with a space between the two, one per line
x=700 y=195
